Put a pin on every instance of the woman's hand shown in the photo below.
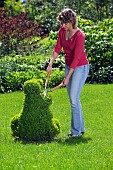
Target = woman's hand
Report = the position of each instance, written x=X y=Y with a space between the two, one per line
x=65 y=81
x=49 y=69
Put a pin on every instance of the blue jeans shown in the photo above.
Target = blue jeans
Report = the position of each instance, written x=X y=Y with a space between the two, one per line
x=74 y=89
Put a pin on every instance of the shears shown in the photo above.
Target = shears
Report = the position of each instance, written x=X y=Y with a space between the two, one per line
x=54 y=88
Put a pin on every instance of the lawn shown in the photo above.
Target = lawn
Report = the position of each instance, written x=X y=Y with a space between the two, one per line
x=93 y=151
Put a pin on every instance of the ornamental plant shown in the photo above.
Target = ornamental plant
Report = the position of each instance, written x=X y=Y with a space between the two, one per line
x=17 y=32
x=35 y=122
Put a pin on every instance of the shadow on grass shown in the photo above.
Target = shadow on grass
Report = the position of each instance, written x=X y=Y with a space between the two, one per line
x=62 y=141
x=25 y=142
x=74 y=140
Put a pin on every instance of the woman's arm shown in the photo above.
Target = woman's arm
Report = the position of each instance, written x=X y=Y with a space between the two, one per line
x=53 y=58
x=55 y=53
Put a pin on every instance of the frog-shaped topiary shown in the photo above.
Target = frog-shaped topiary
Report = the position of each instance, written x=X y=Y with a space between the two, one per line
x=35 y=122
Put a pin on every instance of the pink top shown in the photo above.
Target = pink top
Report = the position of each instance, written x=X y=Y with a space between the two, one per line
x=74 y=50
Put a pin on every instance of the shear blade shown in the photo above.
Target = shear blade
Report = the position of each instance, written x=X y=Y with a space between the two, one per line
x=45 y=92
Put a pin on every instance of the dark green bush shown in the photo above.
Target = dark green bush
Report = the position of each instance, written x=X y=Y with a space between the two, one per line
x=99 y=47
x=16 y=125
x=35 y=122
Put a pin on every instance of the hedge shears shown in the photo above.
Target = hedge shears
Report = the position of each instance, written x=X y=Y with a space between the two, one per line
x=54 y=88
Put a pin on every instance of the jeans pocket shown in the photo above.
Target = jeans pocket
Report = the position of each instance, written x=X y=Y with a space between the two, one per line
x=80 y=68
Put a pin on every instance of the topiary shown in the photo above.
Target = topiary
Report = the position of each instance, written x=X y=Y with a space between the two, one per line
x=35 y=122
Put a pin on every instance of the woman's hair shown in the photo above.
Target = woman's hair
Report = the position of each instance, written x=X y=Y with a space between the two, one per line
x=67 y=15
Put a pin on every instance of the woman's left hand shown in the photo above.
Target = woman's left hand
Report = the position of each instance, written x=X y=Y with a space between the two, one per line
x=65 y=81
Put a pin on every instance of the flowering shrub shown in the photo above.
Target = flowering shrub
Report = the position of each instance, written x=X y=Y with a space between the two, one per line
x=16 y=32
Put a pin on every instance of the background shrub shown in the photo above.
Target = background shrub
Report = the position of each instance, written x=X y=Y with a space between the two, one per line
x=99 y=47
x=18 y=35
x=35 y=122
x=16 y=69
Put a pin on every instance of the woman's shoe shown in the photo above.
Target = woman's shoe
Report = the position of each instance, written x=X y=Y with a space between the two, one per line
x=72 y=135
x=82 y=133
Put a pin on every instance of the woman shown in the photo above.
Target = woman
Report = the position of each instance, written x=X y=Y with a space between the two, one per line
x=72 y=40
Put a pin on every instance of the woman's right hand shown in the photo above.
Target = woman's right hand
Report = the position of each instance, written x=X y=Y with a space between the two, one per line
x=49 y=69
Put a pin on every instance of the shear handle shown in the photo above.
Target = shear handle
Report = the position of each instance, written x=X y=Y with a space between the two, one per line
x=46 y=82
x=60 y=85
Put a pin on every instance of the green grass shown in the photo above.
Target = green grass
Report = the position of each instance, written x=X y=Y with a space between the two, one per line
x=93 y=151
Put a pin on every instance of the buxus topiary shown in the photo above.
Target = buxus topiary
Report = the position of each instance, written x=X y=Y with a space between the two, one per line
x=35 y=122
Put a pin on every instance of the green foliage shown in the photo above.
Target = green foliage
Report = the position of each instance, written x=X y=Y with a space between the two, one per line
x=15 y=7
x=99 y=47
x=15 y=70
x=16 y=125
x=56 y=77
x=36 y=122
x=47 y=11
